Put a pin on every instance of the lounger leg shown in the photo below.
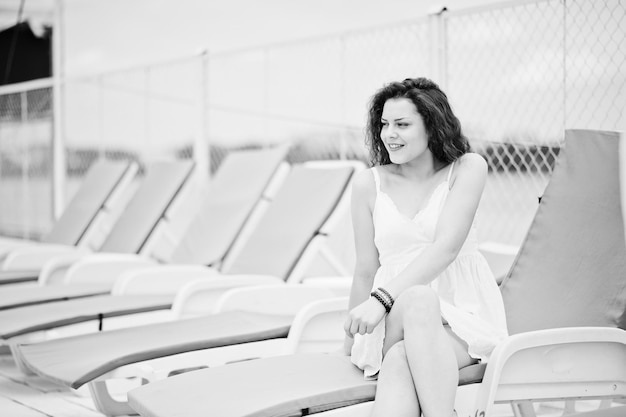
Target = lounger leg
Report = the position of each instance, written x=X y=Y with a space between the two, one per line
x=606 y=403
x=17 y=357
x=523 y=409
x=105 y=403
x=570 y=407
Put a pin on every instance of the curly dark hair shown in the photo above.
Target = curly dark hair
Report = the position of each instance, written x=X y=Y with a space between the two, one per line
x=445 y=139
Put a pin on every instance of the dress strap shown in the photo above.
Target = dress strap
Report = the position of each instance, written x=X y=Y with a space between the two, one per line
x=450 y=171
x=376 y=179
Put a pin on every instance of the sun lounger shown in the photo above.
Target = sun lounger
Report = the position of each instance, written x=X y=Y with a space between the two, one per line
x=565 y=299
x=104 y=180
x=304 y=203
x=97 y=202
x=234 y=194
x=252 y=314
x=105 y=177
x=131 y=232
x=260 y=314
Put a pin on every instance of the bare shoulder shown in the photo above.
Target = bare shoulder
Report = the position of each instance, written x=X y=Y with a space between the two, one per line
x=471 y=163
x=364 y=180
x=363 y=184
x=471 y=167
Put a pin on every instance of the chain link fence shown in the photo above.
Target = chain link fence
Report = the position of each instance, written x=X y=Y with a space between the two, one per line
x=313 y=93
x=145 y=112
x=517 y=74
x=141 y=114
x=25 y=159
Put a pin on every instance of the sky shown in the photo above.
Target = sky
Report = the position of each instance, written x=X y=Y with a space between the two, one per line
x=103 y=35
x=99 y=35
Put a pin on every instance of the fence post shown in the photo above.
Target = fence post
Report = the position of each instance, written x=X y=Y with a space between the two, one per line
x=25 y=166
x=343 y=134
x=437 y=24
x=58 y=146
x=147 y=119
x=201 y=146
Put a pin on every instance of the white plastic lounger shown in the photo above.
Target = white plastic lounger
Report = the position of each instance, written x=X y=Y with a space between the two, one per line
x=277 y=246
x=313 y=383
x=243 y=314
x=104 y=179
x=96 y=203
x=26 y=295
x=141 y=217
x=17 y=321
x=101 y=184
x=261 y=314
x=16 y=277
x=234 y=194
x=565 y=298
x=243 y=180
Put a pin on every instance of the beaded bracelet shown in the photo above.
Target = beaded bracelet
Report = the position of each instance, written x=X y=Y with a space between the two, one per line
x=384 y=291
x=384 y=298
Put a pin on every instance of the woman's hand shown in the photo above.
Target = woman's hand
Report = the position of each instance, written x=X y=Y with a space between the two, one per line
x=364 y=318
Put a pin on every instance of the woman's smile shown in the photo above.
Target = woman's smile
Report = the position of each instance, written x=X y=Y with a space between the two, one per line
x=394 y=146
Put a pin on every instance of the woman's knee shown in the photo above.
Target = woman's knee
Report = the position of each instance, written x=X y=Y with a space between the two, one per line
x=418 y=303
x=395 y=356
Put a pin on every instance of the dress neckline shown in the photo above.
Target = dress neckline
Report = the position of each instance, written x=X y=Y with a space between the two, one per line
x=428 y=200
x=421 y=209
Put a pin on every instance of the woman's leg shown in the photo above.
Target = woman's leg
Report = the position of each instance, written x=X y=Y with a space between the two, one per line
x=395 y=391
x=433 y=357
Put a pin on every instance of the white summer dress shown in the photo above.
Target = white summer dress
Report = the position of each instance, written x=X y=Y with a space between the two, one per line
x=470 y=299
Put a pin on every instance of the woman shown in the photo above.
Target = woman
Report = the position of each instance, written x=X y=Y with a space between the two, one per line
x=424 y=302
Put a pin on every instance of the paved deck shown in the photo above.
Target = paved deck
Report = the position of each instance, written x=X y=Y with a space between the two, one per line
x=33 y=396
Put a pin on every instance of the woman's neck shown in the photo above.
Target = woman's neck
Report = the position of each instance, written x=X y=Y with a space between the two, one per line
x=420 y=169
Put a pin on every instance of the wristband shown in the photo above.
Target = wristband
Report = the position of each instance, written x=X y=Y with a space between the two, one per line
x=385 y=292
x=383 y=297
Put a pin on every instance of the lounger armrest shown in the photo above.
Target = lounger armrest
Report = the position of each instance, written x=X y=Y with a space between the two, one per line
x=581 y=362
x=201 y=295
x=318 y=327
x=160 y=279
x=500 y=257
x=8 y=245
x=35 y=257
x=55 y=270
x=105 y=267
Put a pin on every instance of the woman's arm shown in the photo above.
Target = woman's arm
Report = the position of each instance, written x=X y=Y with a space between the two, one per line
x=366 y=265
x=453 y=226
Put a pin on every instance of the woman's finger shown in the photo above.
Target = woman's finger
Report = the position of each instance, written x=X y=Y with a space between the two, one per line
x=346 y=327
x=354 y=328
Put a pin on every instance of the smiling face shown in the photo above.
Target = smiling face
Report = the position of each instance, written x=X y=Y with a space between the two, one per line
x=403 y=132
